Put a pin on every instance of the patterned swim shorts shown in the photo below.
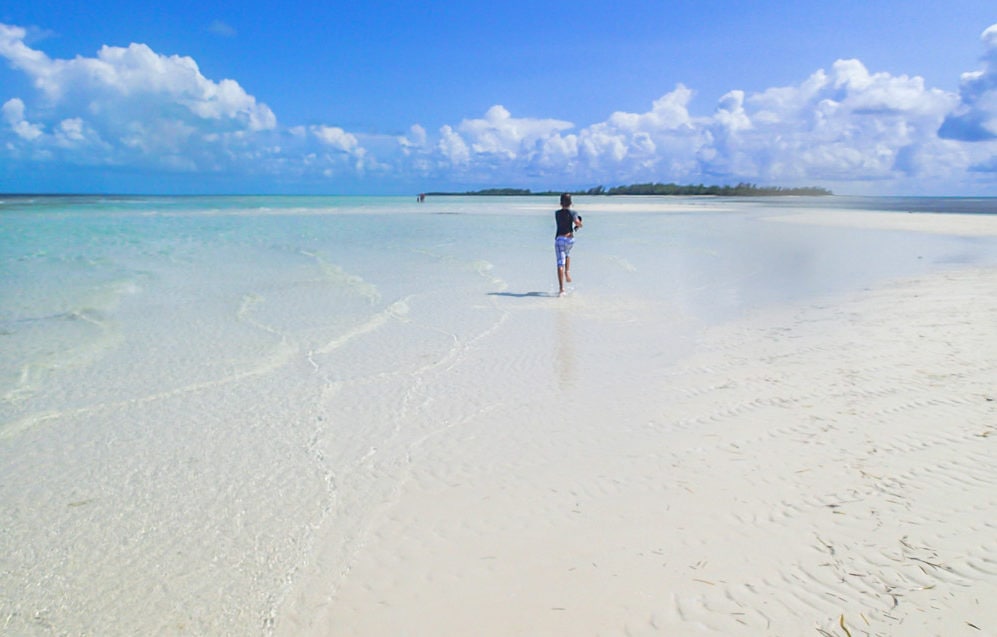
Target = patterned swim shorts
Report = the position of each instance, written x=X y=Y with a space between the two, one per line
x=562 y=247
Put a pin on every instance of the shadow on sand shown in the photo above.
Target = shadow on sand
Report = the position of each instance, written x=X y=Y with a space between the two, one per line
x=523 y=295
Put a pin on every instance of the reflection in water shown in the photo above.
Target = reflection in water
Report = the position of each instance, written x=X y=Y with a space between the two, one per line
x=565 y=358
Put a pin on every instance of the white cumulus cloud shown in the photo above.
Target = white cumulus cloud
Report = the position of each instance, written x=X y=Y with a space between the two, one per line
x=499 y=133
x=13 y=114
x=848 y=123
x=136 y=75
x=975 y=119
x=845 y=124
x=130 y=99
x=453 y=147
x=336 y=138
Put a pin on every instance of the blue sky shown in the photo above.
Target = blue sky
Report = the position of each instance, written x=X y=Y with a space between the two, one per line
x=886 y=97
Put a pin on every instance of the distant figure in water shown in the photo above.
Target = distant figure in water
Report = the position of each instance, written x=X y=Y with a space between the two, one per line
x=568 y=221
x=422 y=197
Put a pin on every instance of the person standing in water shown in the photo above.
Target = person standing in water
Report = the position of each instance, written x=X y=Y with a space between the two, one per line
x=568 y=221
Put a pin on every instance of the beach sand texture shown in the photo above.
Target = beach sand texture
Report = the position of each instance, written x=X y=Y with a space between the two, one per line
x=475 y=456
x=829 y=471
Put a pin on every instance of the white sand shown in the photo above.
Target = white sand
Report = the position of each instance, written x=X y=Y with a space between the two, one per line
x=938 y=223
x=818 y=470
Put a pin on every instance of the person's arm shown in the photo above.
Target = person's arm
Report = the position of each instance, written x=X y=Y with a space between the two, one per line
x=578 y=222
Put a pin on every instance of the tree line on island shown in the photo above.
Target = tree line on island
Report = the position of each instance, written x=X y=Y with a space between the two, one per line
x=740 y=190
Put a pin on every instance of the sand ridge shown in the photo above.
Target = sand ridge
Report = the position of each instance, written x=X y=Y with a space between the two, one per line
x=970 y=225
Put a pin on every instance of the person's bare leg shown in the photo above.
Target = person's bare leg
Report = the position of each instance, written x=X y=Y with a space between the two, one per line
x=560 y=280
x=567 y=269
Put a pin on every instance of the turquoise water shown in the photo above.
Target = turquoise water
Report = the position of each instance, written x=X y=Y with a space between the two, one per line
x=83 y=276
x=196 y=392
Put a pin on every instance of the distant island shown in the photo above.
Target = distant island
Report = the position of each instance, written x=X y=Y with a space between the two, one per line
x=740 y=190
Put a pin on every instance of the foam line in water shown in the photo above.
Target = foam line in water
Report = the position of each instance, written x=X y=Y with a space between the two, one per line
x=396 y=311
x=337 y=275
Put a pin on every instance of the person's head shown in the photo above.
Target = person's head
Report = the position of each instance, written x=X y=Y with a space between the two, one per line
x=565 y=200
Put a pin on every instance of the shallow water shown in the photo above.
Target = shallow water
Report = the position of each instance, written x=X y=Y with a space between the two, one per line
x=197 y=394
